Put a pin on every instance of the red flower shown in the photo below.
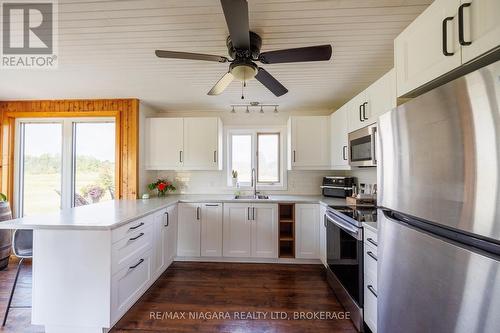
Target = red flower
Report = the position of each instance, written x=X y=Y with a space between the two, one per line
x=161 y=187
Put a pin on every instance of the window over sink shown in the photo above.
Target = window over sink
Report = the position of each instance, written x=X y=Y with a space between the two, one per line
x=261 y=150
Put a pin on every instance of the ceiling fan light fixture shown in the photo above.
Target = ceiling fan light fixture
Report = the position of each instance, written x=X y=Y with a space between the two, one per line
x=243 y=71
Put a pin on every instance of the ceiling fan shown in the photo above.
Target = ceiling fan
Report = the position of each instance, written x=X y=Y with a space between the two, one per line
x=244 y=48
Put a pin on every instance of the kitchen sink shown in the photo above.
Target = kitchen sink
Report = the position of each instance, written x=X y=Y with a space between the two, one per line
x=251 y=197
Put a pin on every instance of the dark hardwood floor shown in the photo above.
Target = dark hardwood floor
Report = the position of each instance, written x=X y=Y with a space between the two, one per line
x=229 y=290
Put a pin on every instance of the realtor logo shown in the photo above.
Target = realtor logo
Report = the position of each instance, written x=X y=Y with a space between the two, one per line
x=28 y=34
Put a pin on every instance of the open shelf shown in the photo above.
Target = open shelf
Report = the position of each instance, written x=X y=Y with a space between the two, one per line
x=286 y=230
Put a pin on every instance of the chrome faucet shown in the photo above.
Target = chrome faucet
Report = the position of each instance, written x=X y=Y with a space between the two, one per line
x=254 y=182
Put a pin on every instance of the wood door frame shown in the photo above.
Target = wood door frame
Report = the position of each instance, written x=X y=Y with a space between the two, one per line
x=124 y=111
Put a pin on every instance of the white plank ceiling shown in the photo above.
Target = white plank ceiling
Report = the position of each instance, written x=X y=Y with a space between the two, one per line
x=106 y=49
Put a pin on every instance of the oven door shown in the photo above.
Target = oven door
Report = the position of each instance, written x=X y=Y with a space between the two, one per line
x=362 y=147
x=345 y=255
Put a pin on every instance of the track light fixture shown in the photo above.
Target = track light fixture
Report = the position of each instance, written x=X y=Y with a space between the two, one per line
x=252 y=105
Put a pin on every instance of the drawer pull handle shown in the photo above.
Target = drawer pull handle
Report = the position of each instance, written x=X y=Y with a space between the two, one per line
x=168 y=219
x=370 y=240
x=137 y=226
x=370 y=288
x=212 y=205
x=370 y=253
x=137 y=237
x=140 y=262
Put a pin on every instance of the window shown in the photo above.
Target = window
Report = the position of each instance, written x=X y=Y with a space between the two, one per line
x=63 y=163
x=268 y=158
x=259 y=150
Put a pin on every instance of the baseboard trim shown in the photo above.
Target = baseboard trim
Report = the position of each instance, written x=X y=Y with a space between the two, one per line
x=251 y=260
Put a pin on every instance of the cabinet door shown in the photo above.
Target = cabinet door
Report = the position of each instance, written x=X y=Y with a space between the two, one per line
x=339 y=145
x=265 y=230
x=201 y=136
x=322 y=234
x=380 y=97
x=188 y=242
x=419 y=52
x=237 y=230
x=163 y=143
x=355 y=115
x=129 y=284
x=481 y=27
x=211 y=230
x=307 y=232
x=159 y=242
x=310 y=143
x=170 y=234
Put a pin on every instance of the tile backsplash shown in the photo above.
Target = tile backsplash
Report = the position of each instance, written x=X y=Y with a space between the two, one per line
x=214 y=182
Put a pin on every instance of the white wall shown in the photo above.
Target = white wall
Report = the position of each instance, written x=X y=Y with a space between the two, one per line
x=145 y=176
x=364 y=175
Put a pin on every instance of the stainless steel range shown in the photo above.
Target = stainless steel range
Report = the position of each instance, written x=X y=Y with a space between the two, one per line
x=345 y=255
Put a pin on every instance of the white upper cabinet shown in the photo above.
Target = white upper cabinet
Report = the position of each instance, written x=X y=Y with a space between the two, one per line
x=189 y=230
x=446 y=35
x=355 y=115
x=183 y=143
x=164 y=143
x=265 y=231
x=380 y=97
x=309 y=143
x=201 y=143
x=481 y=27
x=420 y=51
x=211 y=230
x=307 y=233
x=339 y=145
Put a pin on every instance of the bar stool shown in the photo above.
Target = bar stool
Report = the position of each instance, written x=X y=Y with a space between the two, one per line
x=22 y=246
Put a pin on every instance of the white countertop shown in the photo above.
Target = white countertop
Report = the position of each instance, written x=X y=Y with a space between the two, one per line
x=112 y=214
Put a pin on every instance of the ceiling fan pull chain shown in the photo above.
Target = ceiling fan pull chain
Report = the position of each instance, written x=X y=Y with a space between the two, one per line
x=242 y=86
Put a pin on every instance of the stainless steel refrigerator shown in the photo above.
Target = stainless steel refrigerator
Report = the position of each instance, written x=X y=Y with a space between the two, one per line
x=439 y=221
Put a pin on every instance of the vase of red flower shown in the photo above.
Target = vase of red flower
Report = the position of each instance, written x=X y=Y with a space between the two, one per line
x=162 y=186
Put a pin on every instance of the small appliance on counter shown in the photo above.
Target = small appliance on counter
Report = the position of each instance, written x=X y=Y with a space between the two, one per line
x=338 y=187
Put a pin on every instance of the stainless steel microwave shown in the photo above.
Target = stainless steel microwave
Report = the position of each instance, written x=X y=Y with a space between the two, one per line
x=362 y=147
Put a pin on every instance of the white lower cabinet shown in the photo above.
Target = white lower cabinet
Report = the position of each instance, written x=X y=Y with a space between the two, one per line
x=370 y=278
x=265 y=231
x=170 y=234
x=199 y=230
x=250 y=230
x=307 y=231
x=211 y=230
x=322 y=235
x=130 y=283
x=189 y=230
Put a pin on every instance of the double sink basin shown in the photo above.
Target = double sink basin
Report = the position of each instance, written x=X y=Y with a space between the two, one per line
x=251 y=197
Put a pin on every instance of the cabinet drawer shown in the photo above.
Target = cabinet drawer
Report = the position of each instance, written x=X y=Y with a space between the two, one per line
x=129 y=229
x=129 y=284
x=370 y=307
x=370 y=237
x=370 y=262
x=126 y=249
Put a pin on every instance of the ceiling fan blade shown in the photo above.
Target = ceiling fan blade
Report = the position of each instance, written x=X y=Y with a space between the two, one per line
x=236 y=14
x=270 y=82
x=190 y=56
x=222 y=84
x=312 y=53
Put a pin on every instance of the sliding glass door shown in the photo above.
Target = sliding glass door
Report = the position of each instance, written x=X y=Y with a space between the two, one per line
x=63 y=163
x=40 y=168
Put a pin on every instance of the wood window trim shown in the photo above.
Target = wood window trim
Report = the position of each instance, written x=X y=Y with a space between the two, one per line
x=124 y=111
